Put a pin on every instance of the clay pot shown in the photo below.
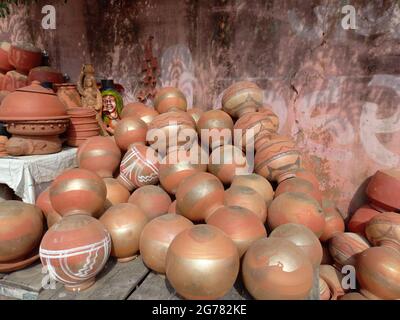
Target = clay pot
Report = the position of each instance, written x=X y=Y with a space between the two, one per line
x=383 y=190
x=14 y=80
x=303 y=238
x=378 y=273
x=68 y=95
x=333 y=220
x=21 y=230
x=298 y=185
x=309 y=176
x=172 y=207
x=152 y=200
x=275 y=269
x=242 y=97
x=360 y=218
x=324 y=292
x=100 y=155
x=24 y=57
x=125 y=223
x=43 y=202
x=346 y=247
x=170 y=99
x=384 y=230
x=246 y=198
x=292 y=207
x=240 y=224
x=227 y=161
x=277 y=159
x=199 y=195
x=139 y=167
x=75 y=250
x=333 y=279
x=116 y=193
x=272 y=116
x=257 y=183
x=5 y=65
x=45 y=74
x=195 y=113
x=202 y=263
x=179 y=164
x=52 y=218
x=215 y=128
x=156 y=238
x=78 y=191
x=139 y=110
x=353 y=296
x=128 y=131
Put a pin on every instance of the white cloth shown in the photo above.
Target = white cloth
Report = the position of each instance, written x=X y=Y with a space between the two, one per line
x=28 y=176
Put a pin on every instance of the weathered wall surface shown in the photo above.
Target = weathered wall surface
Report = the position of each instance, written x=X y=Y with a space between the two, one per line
x=336 y=91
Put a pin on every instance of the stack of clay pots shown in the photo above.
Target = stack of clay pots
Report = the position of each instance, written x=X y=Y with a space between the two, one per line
x=3 y=141
x=83 y=126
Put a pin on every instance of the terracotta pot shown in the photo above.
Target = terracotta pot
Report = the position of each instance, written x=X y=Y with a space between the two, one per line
x=68 y=95
x=257 y=183
x=83 y=127
x=43 y=202
x=378 y=273
x=275 y=269
x=139 y=110
x=353 y=296
x=202 y=263
x=24 y=57
x=303 y=238
x=384 y=230
x=333 y=279
x=360 y=218
x=52 y=218
x=75 y=250
x=128 y=131
x=78 y=191
x=125 y=223
x=215 y=128
x=139 y=167
x=227 y=161
x=14 y=80
x=333 y=220
x=77 y=112
x=346 y=247
x=292 y=207
x=21 y=229
x=273 y=118
x=195 y=113
x=246 y=198
x=83 y=133
x=100 y=155
x=277 y=159
x=45 y=74
x=309 y=176
x=5 y=65
x=75 y=142
x=299 y=185
x=199 y=195
x=383 y=190
x=242 y=97
x=37 y=128
x=169 y=99
x=152 y=200
x=116 y=193
x=240 y=224
x=156 y=239
x=324 y=292
x=19 y=265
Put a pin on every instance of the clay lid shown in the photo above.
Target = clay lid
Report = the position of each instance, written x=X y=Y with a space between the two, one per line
x=33 y=102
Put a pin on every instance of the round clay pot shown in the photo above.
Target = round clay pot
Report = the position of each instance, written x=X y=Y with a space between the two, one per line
x=45 y=74
x=78 y=191
x=170 y=99
x=248 y=198
x=100 y=155
x=257 y=183
x=21 y=229
x=272 y=116
x=128 y=131
x=202 y=263
x=172 y=207
x=156 y=238
x=14 y=80
x=384 y=230
x=242 y=97
x=275 y=269
x=52 y=218
x=309 y=176
x=195 y=113
x=75 y=250
x=199 y=195
x=68 y=95
x=324 y=292
x=43 y=202
x=378 y=273
x=360 y=218
x=24 y=57
x=353 y=296
x=227 y=161
x=152 y=200
x=383 y=190
x=346 y=247
x=125 y=223
x=139 y=110
x=333 y=279
x=240 y=224
x=292 y=207
x=299 y=185
x=333 y=220
x=5 y=65
x=116 y=193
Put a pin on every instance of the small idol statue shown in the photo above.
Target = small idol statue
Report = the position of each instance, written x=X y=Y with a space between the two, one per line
x=112 y=105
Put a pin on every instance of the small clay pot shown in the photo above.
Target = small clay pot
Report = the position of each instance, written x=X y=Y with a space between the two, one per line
x=68 y=95
x=170 y=99
x=45 y=74
x=383 y=190
x=44 y=203
x=215 y=128
x=360 y=218
x=309 y=176
x=128 y=131
x=384 y=230
x=116 y=193
x=257 y=183
x=299 y=185
x=24 y=57
x=334 y=222
x=139 y=110
x=272 y=116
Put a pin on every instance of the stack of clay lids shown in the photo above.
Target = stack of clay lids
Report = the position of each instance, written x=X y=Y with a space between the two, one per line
x=3 y=141
x=83 y=126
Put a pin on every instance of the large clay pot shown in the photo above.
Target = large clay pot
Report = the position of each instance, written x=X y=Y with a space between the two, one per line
x=130 y=130
x=303 y=238
x=333 y=220
x=24 y=57
x=199 y=195
x=139 y=110
x=139 y=167
x=256 y=182
x=248 y=198
x=384 y=230
x=170 y=99
x=346 y=247
x=242 y=97
x=125 y=223
x=309 y=176
x=333 y=279
x=299 y=185
x=240 y=224
x=195 y=113
x=5 y=65
x=21 y=229
x=275 y=269
x=202 y=263
x=360 y=218
x=378 y=273
x=383 y=190
x=291 y=207
x=68 y=95
x=78 y=191
x=152 y=200
x=45 y=74
x=100 y=155
x=157 y=236
x=14 y=80
x=75 y=250
x=116 y=193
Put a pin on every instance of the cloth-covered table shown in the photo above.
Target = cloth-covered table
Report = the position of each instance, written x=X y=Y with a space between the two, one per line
x=28 y=176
